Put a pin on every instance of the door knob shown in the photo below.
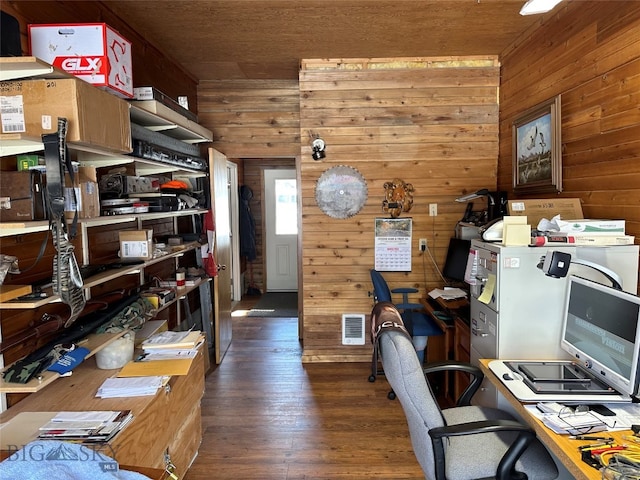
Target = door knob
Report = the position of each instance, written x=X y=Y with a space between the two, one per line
x=222 y=267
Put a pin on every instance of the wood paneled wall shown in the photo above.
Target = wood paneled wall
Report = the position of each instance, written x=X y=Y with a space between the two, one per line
x=252 y=118
x=589 y=53
x=430 y=122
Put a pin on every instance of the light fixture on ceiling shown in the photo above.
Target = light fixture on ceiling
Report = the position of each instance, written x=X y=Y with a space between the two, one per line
x=533 y=7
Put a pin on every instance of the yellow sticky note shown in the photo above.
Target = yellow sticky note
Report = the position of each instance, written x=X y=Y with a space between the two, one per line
x=489 y=288
x=516 y=234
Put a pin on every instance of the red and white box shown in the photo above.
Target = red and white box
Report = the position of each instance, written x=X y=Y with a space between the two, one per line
x=93 y=52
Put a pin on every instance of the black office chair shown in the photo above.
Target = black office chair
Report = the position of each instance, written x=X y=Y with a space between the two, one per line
x=462 y=442
x=417 y=322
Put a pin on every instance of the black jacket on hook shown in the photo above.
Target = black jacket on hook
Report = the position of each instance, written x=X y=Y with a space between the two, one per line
x=247 y=225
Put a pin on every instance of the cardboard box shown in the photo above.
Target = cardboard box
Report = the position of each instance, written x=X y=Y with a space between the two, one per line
x=94 y=52
x=537 y=209
x=593 y=227
x=136 y=244
x=86 y=194
x=96 y=118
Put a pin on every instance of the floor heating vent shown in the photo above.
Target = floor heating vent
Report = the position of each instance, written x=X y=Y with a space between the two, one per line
x=353 y=329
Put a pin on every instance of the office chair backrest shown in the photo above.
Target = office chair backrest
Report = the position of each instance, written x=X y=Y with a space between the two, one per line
x=405 y=375
x=381 y=291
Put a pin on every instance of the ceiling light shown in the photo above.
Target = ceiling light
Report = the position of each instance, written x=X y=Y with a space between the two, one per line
x=533 y=7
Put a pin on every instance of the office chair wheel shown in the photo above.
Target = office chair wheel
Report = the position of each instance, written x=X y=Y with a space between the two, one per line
x=372 y=378
x=391 y=395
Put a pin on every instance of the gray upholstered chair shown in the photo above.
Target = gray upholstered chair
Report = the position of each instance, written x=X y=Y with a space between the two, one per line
x=463 y=442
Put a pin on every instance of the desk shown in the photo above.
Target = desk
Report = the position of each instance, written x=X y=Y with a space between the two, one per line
x=168 y=421
x=456 y=337
x=561 y=446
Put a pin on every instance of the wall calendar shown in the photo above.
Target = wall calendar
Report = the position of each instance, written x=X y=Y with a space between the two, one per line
x=393 y=244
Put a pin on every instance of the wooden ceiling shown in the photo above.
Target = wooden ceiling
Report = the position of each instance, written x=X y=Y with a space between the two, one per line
x=265 y=39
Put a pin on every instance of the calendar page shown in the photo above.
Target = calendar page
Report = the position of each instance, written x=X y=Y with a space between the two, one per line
x=393 y=244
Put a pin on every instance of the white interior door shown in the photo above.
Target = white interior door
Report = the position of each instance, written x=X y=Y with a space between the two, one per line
x=281 y=230
x=222 y=283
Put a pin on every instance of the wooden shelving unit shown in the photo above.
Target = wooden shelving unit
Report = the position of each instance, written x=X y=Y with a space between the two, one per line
x=150 y=114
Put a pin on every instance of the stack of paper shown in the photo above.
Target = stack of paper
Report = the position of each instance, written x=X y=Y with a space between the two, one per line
x=165 y=354
x=173 y=341
x=129 y=387
x=86 y=427
x=447 y=293
x=574 y=423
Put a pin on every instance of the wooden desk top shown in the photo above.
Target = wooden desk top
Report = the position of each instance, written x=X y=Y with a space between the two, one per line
x=563 y=448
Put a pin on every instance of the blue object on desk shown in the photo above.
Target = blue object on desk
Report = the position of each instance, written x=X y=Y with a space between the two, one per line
x=69 y=360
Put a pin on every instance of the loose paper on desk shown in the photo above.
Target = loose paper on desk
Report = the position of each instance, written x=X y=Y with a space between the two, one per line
x=625 y=416
x=489 y=288
x=129 y=387
x=170 y=339
x=448 y=293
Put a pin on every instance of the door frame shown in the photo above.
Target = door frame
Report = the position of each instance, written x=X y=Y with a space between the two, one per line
x=265 y=173
x=234 y=215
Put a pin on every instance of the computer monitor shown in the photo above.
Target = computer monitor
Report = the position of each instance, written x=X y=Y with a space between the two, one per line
x=601 y=331
x=456 y=261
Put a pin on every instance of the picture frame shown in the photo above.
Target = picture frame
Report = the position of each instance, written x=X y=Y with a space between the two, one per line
x=537 y=149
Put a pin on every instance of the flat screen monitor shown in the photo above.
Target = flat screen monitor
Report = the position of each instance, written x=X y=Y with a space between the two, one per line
x=601 y=331
x=456 y=261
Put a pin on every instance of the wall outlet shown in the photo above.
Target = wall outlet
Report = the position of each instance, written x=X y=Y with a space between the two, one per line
x=423 y=244
x=433 y=209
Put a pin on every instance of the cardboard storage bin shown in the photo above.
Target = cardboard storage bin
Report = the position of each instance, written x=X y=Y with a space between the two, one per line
x=96 y=118
x=87 y=198
x=94 y=52
x=136 y=244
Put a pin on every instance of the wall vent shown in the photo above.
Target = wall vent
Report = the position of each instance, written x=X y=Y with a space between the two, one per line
x=353 y=328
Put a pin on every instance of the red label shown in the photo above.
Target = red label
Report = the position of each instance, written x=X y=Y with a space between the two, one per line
x=81 y=65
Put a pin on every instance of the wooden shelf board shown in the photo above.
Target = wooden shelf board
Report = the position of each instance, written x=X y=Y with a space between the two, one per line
x=11 y=292
x=18 y=304
x=94 y=342
x=158 y=117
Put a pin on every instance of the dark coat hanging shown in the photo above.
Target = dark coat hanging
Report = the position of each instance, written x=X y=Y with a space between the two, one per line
x=247 y=225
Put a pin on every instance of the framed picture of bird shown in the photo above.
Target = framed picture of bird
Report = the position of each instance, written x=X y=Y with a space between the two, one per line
x=537 y=149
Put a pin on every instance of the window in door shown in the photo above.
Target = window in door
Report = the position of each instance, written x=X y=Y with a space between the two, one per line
x=286 y=206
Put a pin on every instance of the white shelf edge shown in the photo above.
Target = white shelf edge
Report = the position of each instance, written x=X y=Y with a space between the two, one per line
x=12 y=68
x=17 y=228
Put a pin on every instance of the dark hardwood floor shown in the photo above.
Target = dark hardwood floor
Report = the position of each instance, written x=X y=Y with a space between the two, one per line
x=266 y=415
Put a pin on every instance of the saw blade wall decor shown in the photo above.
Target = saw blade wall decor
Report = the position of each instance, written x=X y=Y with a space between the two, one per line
x=341 y=191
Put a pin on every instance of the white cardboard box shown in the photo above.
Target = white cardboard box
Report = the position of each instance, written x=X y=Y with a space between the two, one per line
x=592 y=227
x=93 y=52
